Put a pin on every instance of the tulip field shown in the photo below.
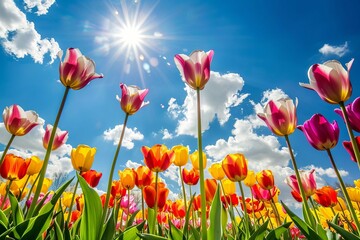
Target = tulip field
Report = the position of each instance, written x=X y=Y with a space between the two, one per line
x=222 y=210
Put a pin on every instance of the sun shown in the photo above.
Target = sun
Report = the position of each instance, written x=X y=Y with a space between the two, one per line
x=131 y=36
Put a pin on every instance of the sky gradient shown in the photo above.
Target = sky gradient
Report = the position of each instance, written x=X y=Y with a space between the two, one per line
x=263 y=49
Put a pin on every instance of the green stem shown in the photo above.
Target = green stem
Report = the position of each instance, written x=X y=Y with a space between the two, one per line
x=269 y=217
x=277 y=215
x=107 y=199
x=142 y=205
x=72 y=202
x=117 y=208
x=201 y=166
x=351 y=134
x=22 y=190
x=156 y=203
x=6 y=194
x=192 y=211
x=7 y=148
x=231 y=210
x=298 y=178
x=183 y=188
x=343 y=189
x=47 y=155
x=315 y=208
x=245 y=210
x=29 y=194
x=252 y=208
x=128 y=208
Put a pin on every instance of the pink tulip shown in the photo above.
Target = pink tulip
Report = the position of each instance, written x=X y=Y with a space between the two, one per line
x=77 y=70
x=18 y=122
x=321 y=134
x=353 y=112
x=263 y=194
x=331 y=81
x=280 y=116
x=195 y=69
x=349 y=148
x=132 y=98
x=59 y=139
x=308 y=182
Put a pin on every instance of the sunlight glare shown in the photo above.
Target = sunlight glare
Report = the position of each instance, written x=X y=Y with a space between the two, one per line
x=131 y=36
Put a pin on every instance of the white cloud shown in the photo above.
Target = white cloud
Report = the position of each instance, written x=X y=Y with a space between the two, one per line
x=220 y=94
x=166 y=134
x=340 y=50
x=328 y=172
x=172 y=173
x=31 y=144
x=131 y=134
x=41 y=5
x=131 y=164
x=19 y=37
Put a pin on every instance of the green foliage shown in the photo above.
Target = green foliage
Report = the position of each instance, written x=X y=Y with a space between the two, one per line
x=277 y=232
x=215 y=229
x=345 y=234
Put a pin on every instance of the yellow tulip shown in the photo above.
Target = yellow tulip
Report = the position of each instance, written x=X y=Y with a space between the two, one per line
x=341 y=205
x=354 y=194
x=357 y=183
x=127 y=178
x=66 y=199
x=229 y=186
x=250 y=179
x=181 y=155
x=35 y=165
x=46 y=185
x=82 y=157
x=217 y=171
x=194 y=157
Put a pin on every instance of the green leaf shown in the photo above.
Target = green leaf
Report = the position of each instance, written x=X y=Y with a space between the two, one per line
x=151 y=237
x=151 y=219
x=215 y=231
x=91 y=224
x=40 y=204
x=345 y=234
x=321 y=231
x=132 y=218
x=175 y=233
x=224 y=218
x=58 y=232
x=15 y=210
x=187 y=217
x=132 y=232
x=109 y=228
x=303 y=226
x=3 y=218
x=260 y=232
x=195 y=232
x=277 y=232
x=3 y=235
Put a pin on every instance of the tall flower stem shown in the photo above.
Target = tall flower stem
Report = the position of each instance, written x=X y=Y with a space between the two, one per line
x=231 y=210
x=247 y=234
x=22 y=190
x=142 y=205
x=128 y=208
x=107 y=199
x=298 y=178
x=72 y=202
x=183 y=188
x=47 y=155
x=315 y=210
x=32 y=187
x=276 y=212
x=6 y=194
x=192 y=211
x=344 y=191
x=156 y=202
x=7 y=148
x=201 y=166
x=351 y=134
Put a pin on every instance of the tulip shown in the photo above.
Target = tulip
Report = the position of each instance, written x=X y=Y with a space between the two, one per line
x=181 y=155
x=326 y=196
x=127 y=178
x=307 y=180
x=262 y=194
x=14 y=168
x=190 y=177
x=194 y=157
x=82 y=157
x=158 y=158
x=232 y=199
x=178 y=209
x=66 y=199
x=111 y=202
x=143 y=177
x=250 y=179
x=265 y=179
x=76 y=71
x=349 y=148
x=35 y=165
x=228 y=186
x=357 y=183
x=235 y=167
x=210 y=189
x=92 y=177
x=41 y=199
x=132 y=98
x=59 y=139
x=297 y=196
x=150 y=195
x=216 y=171
x=280 y=116
x=353 y=112
x=19 y=122
x=253 y=206
x=195 y=69
x=331 y=81
x=354 y=194
x=80 y=202
x=117 y=190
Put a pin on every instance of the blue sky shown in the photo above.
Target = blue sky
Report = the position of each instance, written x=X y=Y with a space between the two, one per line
x=263 y=49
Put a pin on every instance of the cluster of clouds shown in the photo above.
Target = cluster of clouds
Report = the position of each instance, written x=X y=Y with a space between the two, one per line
x=340 y=50
x=18 y=35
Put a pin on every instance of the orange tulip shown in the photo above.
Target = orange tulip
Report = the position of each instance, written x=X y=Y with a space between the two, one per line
x=326 y=196
x=210 y=189
x=265 y=179
x=143 y=177
x=111 y=201
x=117 y=190
x=127 y=178
x=251 y=206
x=158 y=158
x=178 y=209
x=149 y=194
x=231 y=198
x=92 y=177
x=197 y=202
x=190 y=177
x=13 y=167
x=235 y=167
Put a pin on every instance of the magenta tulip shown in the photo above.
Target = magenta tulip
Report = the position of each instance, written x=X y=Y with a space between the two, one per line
x=321 y=134
x=18 y=122
x=280 y=116
x=331 y=81
x=132 y=98
x=263 y=194
x=59 y=139
x=307 y=180
x=76 y=71
x=353 y=112
x=349 y=148
x=195 y=69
